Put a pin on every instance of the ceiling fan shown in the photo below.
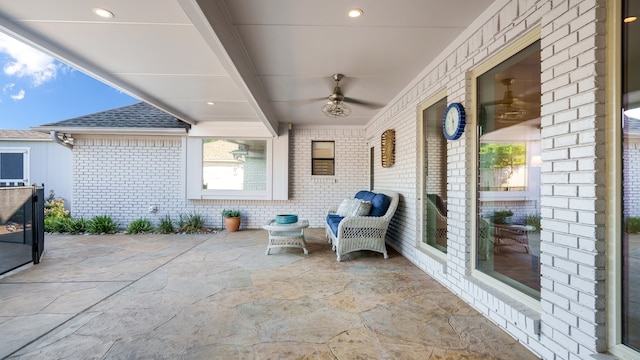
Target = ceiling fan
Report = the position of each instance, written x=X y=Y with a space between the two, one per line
x=509 y=107
x=336 y=106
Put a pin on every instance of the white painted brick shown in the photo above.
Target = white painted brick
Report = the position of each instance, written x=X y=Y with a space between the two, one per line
x=586 y=164
x=584 y=285
x=581 y=152
x=584 y=98
x=556 y=106
x=566 y=140
x=572 y=112
x=565 y=265
x=565 y=190
x=555 y=275
x=567 y=215
x=557 y=82
x=555 y=201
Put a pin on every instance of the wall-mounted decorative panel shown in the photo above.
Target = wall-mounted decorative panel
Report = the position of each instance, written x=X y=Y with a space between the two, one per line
x=388 y=146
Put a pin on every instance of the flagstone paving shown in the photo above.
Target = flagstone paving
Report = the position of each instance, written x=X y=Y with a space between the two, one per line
x=217 y=296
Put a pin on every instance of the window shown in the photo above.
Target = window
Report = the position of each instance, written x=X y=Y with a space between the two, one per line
x=503 y=166
x=322 y=158
x=234 y=164
x=14 y=167
x=434 y=174
x=238 y=169
x=630 y=310
x=508 y=169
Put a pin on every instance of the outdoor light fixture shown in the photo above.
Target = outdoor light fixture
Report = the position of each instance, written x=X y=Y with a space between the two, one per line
x=335 y=108
x=354 y=13
x=65 y=140
x=241 y=153
x=103 y=13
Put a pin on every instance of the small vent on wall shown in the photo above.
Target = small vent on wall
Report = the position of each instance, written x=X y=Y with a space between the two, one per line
x=323 y=180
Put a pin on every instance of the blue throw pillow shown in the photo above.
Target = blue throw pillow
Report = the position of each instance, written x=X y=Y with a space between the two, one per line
x=379 y=202
x=365 y=195
x=379 y=205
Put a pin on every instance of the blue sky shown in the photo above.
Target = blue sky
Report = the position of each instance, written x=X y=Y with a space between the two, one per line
x=36 y=89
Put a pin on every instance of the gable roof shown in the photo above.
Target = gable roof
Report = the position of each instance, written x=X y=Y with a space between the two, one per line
x=137 y=118
x=23 y=135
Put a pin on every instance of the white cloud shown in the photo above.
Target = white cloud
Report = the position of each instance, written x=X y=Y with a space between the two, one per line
x=25 y=61
x=19 y=95
x=8 y=87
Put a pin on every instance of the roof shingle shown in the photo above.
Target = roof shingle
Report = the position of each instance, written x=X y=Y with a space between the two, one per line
x=139 y=115
x=23 y=134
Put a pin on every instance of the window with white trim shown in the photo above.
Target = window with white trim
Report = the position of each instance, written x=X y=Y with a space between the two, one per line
x=434 y=174
x=237 y=168
x=630 y=280
x=508 y=99
x=234 y=164
x=323 y=158
x=14 y=167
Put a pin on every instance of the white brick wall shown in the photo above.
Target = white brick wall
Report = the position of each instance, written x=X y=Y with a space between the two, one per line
x=573 y=154
x=570 y=322
x=632 y=171
x=123 y=177
x=583 y=23
x=105 y=170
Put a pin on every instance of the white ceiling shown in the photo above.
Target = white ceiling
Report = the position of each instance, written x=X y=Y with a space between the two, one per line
x=262 y=62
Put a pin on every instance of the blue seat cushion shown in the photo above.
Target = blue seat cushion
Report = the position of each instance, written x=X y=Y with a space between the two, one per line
x=333 y=221
x=379 y=202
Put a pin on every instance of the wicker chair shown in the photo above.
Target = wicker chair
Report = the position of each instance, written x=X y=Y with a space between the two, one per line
x=506 y=234
x=356 y=233
x=437 y=220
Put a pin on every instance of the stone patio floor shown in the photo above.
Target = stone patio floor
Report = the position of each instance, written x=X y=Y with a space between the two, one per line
x=217 y=296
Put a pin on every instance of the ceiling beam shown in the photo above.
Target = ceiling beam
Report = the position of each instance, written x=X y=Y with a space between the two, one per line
x=211 y=19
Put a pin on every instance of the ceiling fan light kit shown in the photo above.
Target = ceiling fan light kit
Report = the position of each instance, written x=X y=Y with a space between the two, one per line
x=335 y=108
x=509 y=111
x=515 y=114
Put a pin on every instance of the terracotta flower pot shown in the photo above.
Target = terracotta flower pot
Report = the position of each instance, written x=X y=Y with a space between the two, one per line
x=232 y=224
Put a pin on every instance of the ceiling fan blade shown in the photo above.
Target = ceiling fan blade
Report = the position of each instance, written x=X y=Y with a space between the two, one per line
x=491 y=103
x=532 y=98
x=369 y=104
x=307 y=101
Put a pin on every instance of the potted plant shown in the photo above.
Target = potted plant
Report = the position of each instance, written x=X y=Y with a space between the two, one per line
x=502 y=216
x=231 y=220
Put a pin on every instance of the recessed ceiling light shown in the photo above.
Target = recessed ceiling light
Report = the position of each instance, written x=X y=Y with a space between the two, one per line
x=103 y=13
x=354 y=13
x=630 y=19
x=210 y=103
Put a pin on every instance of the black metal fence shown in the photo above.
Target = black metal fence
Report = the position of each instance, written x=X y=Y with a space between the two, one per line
x=21 y=226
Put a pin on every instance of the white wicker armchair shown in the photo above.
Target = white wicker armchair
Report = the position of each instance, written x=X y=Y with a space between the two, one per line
x=362 y=232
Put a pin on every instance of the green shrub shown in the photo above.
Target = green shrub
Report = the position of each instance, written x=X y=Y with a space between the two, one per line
x=633 y=225
x=139 y=226
x=230 y=213
x=534 y=220
x=54 y=207
x=502 y=216
x=190 y=223
x=57 y=224
x=166 y=225
x=77 y=226
x=102 y=224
